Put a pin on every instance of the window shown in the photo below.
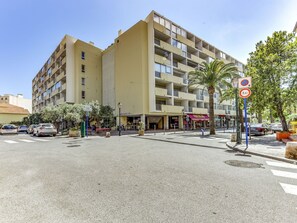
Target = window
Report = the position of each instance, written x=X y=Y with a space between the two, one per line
x=83 y=94
x=83 y=68
x=160 y=68
x=83 y=81
x=156 y=18
x=49 y=71
x=82 y=55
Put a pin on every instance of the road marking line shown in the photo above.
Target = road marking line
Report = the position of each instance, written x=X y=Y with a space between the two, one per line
x=284 y=174
x=10 y=141
x=278 y=164
x=41 y=140
x=289 y=188
x=26 y=140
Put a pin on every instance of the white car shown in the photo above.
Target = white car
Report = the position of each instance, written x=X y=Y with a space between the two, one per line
x=45 y=129
x=8 y=129
x=276 y=127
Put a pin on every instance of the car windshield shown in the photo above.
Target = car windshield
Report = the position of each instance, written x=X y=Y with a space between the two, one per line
x=47 y=125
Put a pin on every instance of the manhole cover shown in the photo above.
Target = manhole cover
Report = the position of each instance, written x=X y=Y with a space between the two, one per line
x=244 y=164
x=73 y=146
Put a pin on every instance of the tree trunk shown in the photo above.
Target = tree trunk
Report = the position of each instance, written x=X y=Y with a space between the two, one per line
x=212 y=130
x=279 y=110
x=260 y=118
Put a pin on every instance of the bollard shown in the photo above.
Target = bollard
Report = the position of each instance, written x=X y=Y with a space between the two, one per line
x=107 y=134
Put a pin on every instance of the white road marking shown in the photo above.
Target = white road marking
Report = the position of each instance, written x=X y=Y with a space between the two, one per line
x=289 y=188
x=26 y=140
x=41 y=140
x=279 y=164
x=10 y=141
x=284 y=174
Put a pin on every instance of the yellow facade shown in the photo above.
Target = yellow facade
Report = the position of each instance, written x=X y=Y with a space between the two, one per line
x=145 y=70
x=61 y=80
x=8 y=118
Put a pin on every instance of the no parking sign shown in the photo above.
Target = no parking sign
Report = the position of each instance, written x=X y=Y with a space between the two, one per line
x=245 y=82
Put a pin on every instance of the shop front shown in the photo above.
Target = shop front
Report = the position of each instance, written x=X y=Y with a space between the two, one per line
x=173 y=122
x=198 y=121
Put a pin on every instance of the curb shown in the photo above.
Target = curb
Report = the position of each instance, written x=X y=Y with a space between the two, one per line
x=261 y=154
x=182 y=143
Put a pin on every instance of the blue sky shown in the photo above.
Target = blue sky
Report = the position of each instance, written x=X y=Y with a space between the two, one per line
x=31 y=29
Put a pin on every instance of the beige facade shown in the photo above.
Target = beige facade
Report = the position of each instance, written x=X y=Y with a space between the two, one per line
x=11 y=113
x=17 y=100
x=147 y=68
x=72 y=74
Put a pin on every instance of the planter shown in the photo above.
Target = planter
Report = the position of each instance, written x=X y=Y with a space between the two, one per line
x=74 y=133
x=282 y=135
x=141 y=132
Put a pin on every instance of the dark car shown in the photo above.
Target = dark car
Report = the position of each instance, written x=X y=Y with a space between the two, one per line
x=8 y=129
x=258 y=129
x=22 y=129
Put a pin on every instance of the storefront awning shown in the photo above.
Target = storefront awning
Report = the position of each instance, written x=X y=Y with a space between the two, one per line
x=198 y=117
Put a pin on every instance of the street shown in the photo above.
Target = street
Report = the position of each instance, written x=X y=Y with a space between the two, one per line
x=134 y=179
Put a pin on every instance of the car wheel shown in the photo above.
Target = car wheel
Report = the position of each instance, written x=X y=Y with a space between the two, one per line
x=54 y=135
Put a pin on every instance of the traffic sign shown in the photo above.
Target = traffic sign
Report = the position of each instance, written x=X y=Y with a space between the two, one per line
x=245 y=82
x=87 y=108
x=245 y=93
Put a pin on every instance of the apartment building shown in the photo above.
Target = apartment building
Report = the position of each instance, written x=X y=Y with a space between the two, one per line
x=145 y=71
x=72 y=74
x=17 y=100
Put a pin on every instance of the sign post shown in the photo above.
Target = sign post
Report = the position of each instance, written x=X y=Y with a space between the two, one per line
x=245 y=93
x=87 y=109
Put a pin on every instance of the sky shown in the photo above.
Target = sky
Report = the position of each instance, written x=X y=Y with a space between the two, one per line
x=31 y=29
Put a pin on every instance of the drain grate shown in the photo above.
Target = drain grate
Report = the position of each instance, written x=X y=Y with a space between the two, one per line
x=244 y=164
x=73 y=146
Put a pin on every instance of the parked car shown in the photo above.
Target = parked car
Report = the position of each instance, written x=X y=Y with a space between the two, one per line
x=258 y=129
x=31 y=128
x=276 y=127
x=8 y=129
x=22 y=129
x=44 y=129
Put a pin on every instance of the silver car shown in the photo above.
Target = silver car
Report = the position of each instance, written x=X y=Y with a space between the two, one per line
x=8 y=129
x=276 y=127
x=45 y=129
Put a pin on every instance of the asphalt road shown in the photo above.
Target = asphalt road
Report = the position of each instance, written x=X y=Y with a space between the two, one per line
x=127 y=179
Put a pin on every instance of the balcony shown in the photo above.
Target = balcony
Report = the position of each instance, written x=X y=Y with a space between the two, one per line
x=159 y=59
x=186 y=96
x=185 y=68
x=63 y=87
x=197 y=59
x=208 y=52
x=170 y=48
x=171 y=79
x=161 y=29
x=161 y=92
x=200 y=110
x=172 y=108
x=185 y=41
x=60 y=101
x=63 y=60
x=219 y=112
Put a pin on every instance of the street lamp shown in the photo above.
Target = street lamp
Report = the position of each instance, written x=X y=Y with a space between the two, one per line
x=120 y=105
x=238 y=135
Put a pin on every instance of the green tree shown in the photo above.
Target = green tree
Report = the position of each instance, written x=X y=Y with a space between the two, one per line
x=75 y=114
x=215 y=75
x=272 y=67
x=106 y=115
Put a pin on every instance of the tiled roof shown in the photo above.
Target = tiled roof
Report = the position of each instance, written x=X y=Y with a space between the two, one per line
x=12 y=109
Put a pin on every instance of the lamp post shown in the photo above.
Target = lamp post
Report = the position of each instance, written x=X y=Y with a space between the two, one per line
x=183 y=119
x=120 y=128
x=238 y=135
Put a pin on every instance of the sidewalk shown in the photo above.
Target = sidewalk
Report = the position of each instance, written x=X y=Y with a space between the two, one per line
x=265 y=146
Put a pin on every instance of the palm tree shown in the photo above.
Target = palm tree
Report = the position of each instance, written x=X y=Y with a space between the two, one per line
x=214 y=76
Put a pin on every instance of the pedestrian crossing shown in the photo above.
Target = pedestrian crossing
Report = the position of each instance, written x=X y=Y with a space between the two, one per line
x=288 y=172
x=15 y=141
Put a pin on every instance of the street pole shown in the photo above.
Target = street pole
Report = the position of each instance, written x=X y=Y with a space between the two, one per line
x=238 y=132
x=246 y=128
x=87 y=125
x=120 y=128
